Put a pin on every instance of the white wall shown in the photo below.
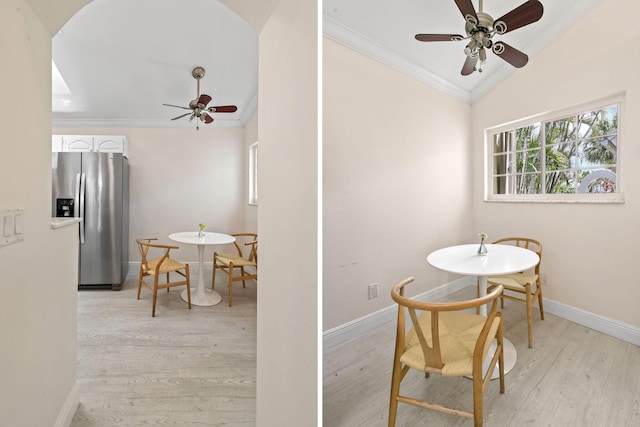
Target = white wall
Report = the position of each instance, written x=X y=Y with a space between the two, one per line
x=250 y=211
x=180 y=178
x=396 y=181
x=287 y=218
x=39 y=275
x=590 y=251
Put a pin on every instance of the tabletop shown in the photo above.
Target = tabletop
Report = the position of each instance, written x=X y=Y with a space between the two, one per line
x=192 y=238
x=500 y=259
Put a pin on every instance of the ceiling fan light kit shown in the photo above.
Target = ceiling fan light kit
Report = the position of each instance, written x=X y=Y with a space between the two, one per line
x=480 y=28
x=198 y=105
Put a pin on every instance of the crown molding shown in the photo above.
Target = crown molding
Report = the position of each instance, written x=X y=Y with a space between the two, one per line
x=342 y=34
x=573 y=11
x=164 y=123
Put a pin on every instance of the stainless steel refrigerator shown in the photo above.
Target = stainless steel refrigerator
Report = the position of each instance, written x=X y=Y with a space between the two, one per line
x=95 y=188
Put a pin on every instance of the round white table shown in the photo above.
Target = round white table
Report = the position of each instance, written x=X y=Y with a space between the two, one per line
x=499 y=259
x=202 y=297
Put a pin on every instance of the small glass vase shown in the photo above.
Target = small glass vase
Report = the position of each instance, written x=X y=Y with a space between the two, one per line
x=482 y=250
x=201 y=233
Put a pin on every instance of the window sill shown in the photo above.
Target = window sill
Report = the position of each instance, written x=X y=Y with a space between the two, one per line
x=614 y=199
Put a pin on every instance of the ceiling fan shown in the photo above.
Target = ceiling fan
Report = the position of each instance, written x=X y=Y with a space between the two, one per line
x=481 y=27
x=198 y=106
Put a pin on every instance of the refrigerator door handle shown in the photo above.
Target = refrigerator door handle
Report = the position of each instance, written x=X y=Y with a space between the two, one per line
x=79 y=201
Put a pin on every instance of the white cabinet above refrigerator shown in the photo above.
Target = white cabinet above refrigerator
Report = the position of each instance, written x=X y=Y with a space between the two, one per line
x=90 y=143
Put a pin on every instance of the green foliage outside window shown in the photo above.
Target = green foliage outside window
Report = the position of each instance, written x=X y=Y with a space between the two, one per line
x=572 y=154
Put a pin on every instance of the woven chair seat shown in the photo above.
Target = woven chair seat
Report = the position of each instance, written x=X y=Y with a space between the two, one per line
x=237 y=260
x=458 y=335
x=167 y=266
x=516 y=281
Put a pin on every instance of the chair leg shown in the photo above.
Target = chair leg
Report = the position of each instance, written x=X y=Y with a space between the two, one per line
x=168 y=281
x=539 y=289
x=243 y=281
x=188 y=286
x=529 y=302
x=396 y=377
x=155 y=295
x=213 y=279
x=139 y=282
x=230 y=283
x=477 y=401
x=501 y=355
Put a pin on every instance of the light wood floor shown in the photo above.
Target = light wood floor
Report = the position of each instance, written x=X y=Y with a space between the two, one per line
x=183 y=367
x=573 y=376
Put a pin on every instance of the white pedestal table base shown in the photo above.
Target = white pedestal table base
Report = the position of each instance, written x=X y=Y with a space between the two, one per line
x=206 y=298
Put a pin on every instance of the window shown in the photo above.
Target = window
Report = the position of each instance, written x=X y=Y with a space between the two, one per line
x=565 y=156
x=253 y=174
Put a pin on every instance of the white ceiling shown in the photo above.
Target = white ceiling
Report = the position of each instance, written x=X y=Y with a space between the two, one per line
x=385 y=30
x=123 y=59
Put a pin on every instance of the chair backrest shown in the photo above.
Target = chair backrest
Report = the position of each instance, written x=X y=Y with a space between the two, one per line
x=431 y=347
x=250 y=242
x=527 y=243
x=144 y=245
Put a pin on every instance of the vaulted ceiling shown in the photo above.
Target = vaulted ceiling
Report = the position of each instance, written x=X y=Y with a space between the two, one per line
x=122 y=60
x=385 y=31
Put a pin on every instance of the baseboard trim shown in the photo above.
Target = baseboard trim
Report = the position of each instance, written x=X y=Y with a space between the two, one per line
x=614 y=328
x=68 y=410
x=354 y=328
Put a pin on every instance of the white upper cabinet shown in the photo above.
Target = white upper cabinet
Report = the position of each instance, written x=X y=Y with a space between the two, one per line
x=77 y=143
x=85 y=143
x=110 y=144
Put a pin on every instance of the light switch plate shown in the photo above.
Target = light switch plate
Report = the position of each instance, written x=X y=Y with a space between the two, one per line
x=7 y=226
x=12 y=226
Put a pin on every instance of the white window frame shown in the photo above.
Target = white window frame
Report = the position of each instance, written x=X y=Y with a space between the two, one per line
x=617 y=197
x=253 y=174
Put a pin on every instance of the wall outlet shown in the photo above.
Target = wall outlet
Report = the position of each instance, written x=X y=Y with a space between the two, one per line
x=373 y=290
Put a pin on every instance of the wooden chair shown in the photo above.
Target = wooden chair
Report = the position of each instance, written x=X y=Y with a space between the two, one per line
x=230 y=262
x=161 y=265
x=447 y=341
x=525 y=284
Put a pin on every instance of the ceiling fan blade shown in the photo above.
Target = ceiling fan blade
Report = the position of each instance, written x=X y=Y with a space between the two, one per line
x=469 y=65
x=438 y=37
x=510 y=54
x=223 y=109
x=467 y=10
x=525 y=14
x=204 y=100
x=177 y=106
x=179 y=117
x=206 y=118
